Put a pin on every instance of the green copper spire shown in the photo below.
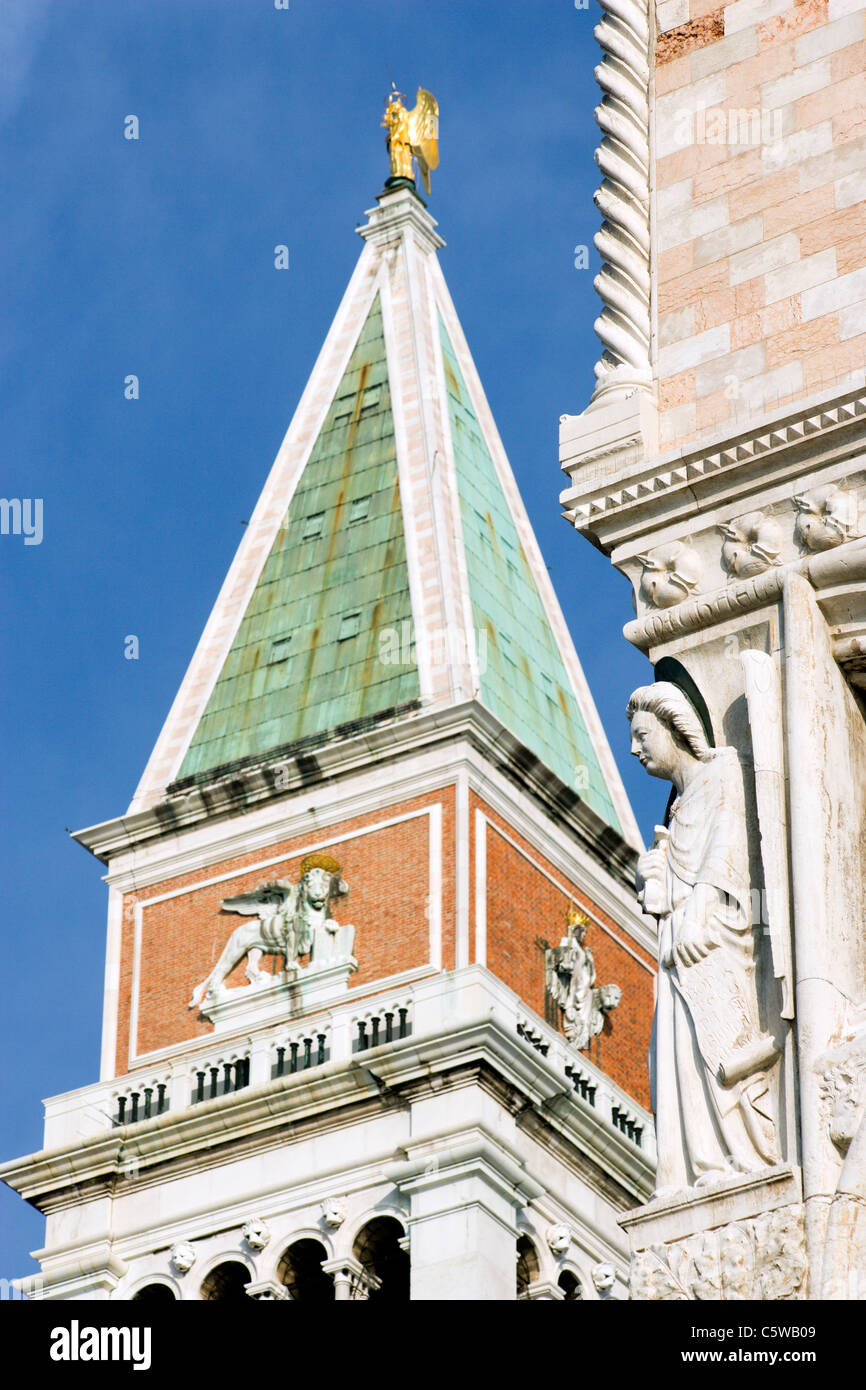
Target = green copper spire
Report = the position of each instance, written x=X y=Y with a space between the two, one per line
x=522 y=674
x=306 y=654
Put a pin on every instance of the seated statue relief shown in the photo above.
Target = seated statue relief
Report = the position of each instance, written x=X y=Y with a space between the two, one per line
x=709 y=1057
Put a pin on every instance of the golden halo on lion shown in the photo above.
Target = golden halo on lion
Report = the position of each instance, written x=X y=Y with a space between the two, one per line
x=319 y=861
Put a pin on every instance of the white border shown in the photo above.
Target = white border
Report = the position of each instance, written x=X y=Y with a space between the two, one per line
x=481 y=821
x=408 y=499
x=461 y=870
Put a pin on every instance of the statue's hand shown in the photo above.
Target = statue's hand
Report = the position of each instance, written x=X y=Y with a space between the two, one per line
x=692 y=946
x=651 y=866
x=695 y=935
x=651 y=881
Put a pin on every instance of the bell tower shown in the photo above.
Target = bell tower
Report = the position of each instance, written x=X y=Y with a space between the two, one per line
x=352 y=1046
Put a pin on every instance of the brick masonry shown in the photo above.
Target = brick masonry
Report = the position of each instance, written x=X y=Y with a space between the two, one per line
x=387 y=870
x=760 y=208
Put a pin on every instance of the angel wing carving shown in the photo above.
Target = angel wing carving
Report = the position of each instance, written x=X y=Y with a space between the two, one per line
x=412 y=134
x=267 y=895
x=424 y=133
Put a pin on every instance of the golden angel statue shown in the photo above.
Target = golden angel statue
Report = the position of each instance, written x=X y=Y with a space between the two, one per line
x=414 y=132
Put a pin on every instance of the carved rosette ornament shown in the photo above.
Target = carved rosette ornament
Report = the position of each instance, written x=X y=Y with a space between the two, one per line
x=670 y=573
x=623 y=283
x=760 y=1259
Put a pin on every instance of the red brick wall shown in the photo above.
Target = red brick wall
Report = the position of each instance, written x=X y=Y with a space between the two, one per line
x=387 y=871
x=523 y=905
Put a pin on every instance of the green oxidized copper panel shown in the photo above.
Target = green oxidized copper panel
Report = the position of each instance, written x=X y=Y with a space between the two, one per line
x=306 y=656
x=523 y=680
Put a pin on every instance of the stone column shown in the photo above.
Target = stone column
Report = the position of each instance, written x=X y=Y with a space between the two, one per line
x=464 y=1202
x=352 y=1282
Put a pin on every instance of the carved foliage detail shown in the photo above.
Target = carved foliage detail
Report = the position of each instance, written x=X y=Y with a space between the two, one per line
x=760 y=1259
x=843 y=1089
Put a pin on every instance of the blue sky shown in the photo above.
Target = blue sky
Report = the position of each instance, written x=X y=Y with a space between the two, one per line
x=155 y=257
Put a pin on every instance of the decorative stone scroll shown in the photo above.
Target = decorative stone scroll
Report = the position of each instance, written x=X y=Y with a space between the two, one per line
x=570 y=979
x=760 y=1259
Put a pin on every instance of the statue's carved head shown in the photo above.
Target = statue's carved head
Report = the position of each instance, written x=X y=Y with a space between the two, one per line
x=603 y=1276
x=321 y=880
x=256 y=1233
x=577 y=923
x=664 y=729
x=334 y=1211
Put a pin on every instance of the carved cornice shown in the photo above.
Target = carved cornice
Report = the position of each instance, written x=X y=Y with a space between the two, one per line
x=623 y=198
x=842 y=569
x=256 y=781
x=827 y=425
x=663 y=626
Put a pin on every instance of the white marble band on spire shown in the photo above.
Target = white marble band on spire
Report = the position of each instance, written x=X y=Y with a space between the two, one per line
x=623 y=198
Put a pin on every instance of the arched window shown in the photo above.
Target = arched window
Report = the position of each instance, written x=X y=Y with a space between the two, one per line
x=570 y=1285
x=527 y=1264
x=377 y=1248
x=154 y=1293
x=301 y=1271
x=227 y=1281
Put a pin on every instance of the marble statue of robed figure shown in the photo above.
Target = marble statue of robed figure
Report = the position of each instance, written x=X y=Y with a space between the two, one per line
x=709 y=1057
